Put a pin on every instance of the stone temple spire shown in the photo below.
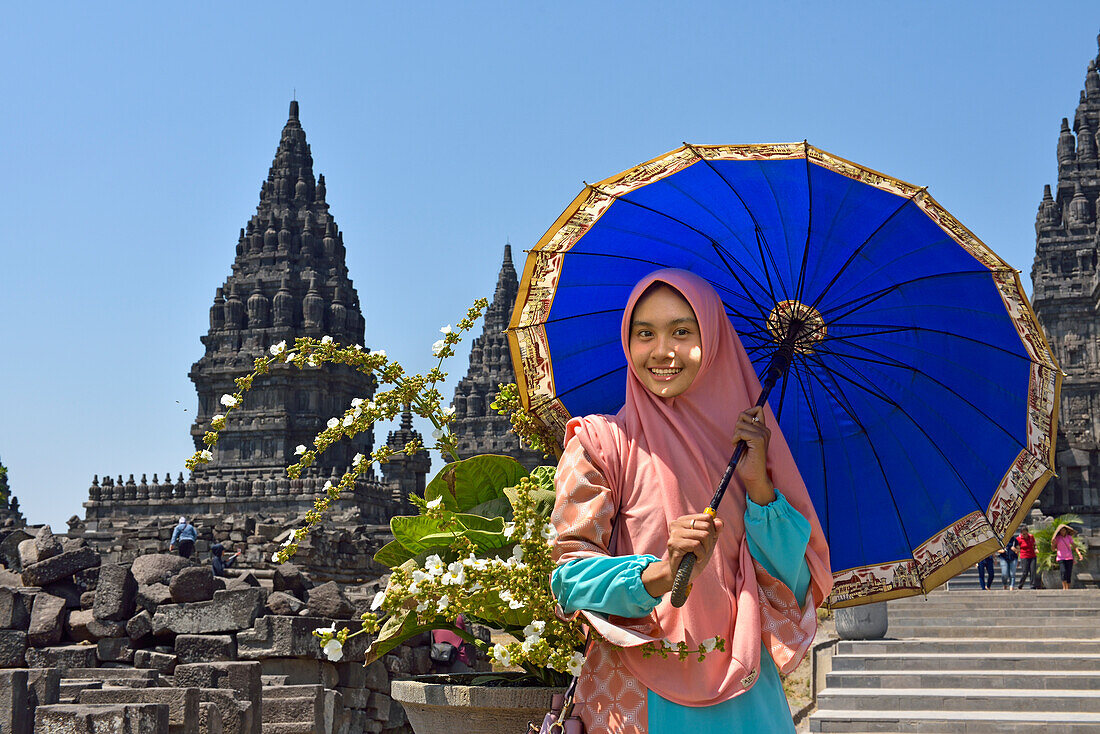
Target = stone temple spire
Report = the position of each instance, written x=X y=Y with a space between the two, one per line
x=1067 y=301
x=477 y=427
x=289 y=279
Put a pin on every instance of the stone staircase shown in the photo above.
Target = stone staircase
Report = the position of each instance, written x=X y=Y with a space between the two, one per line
x=971 y=661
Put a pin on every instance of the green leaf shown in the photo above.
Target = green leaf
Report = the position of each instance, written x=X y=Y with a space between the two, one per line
x=499 y=507
x=417 y=533
x=397 y=629
x=466 y=484
x=393 y=554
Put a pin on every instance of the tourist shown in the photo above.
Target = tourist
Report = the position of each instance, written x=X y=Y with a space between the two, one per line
x=1028 y=558
x=1007 y=557
x=186 y=536
x=631 y=489
x=218 y=562
x=985 y=567
x=1064 y=551
x=450 y=653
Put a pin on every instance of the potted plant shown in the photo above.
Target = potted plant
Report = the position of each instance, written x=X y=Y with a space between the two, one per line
x=478 y=546
x=1044 y=552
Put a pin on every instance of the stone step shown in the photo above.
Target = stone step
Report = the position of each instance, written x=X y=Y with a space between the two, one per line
x=294 y=705
x=269 y=681
x=1038 y=614
x=996 y=632
x=1038 y=662
x=1036 y=677
x=967 y=644
x=957 y=699
x=1016 y=721
x=69 y=690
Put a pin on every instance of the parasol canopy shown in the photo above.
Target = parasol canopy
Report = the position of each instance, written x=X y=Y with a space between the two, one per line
x=920 y=402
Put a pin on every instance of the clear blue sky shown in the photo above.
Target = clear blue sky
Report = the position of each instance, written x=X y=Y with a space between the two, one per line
x=136 y=135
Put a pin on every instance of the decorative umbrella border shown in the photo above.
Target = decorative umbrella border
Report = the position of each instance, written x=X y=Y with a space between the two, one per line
x=945 y=554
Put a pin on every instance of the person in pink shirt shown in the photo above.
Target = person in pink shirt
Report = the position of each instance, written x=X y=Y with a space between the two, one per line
x=1064 y=551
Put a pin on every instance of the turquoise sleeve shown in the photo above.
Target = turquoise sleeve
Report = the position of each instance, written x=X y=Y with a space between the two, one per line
x=778 y=536
x=604 y=584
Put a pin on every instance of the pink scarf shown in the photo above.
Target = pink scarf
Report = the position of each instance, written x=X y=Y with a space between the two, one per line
x=662 y=458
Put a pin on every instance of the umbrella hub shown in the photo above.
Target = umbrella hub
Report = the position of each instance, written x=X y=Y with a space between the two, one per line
x=797 y=324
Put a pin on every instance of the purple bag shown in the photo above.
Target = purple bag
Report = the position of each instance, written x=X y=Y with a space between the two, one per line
x=560 y=719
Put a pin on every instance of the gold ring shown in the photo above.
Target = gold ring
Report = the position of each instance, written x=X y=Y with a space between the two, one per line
x=755 y=419
x=693 y=523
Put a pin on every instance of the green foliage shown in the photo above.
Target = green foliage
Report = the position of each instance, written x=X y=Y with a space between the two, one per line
x=468 y=483
x=1044 y=552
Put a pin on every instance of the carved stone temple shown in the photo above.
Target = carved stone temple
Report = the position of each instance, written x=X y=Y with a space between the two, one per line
x=477 y=427
x=289 y=279
x=1067 y=301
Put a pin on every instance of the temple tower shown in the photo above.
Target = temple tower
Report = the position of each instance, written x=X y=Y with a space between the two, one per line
x=477 y=427
x=289 y=279
x=1067 y=301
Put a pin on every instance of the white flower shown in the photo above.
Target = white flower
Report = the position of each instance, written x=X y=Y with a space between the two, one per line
x=513 y=603
x=288 y=541
x=357 y=347
x=442 y=603
x=534 y=629
x=330 y=630
x=456 y=574
x=438 y=434
x=478 y=564
x=207 y=455
x=333 y=422
x=326 y=340
x=517 y=553
x=421 y=606
x=357 y=460
x=277 y=349
x=356 y=402
x=575 y=664
x=446 y=329
x=437 y=348
x=710 y=644
x=474 y=589
x=435 y=503
x=229 y=401
x=509 y=528
x=217 y=417
x=275 y=557
x=311 y=361
x=299 y=449
x=328 y=485
x=290 y=357
x=501 y=655
x=380 y=352
x=379 y=599
x=433 y=564
x=529 y=644
x=548 y=532
x=348 y=420
x=447 y=412
x=667 y=644
x=334 y=650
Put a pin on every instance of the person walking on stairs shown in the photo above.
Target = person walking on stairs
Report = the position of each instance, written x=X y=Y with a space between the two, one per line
x=1028 y=558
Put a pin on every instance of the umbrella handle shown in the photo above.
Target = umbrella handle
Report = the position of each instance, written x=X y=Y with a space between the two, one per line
x=682 y=585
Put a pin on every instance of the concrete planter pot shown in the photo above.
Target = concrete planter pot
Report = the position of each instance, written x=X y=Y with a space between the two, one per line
x=440 y=703
x=865 y=622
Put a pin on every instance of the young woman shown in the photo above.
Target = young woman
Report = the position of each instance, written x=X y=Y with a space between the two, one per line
x=630 y=493
x=1064 y=551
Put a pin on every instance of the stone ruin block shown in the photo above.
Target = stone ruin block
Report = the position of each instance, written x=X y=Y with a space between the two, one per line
x=15 y=709
x=46 y=544
x=59 y=567
x=64 y=657
x=157 y=568
x=205 y=648
x=47 y=620
x=114 y=593
x=241 y=677
x=327 y=600
x=229 y=611
x=302 y=671
x=131 y=718
x=192 y=585
x=150 y=596
x=84 y=627
x=290 y=579
x=183 y=703
x=140 y=627
x=152 y=660
x=13 y=649
x=115 y=649
x=15 y=609
x=235 y=715
x=43 y=686
x=287 y=637
x=280 y=603
x=210 y=719
x=9 y=549
x=295 y=704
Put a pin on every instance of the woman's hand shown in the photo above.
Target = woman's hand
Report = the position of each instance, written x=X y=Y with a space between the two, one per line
x=696 y=534
x=752 y=470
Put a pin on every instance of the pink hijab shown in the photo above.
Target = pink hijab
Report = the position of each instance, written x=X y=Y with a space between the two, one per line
x=663 y=458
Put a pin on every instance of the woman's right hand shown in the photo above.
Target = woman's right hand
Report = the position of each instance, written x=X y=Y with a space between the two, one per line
x=697 y=534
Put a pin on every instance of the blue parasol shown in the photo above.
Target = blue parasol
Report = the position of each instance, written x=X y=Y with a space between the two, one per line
x=921 y=396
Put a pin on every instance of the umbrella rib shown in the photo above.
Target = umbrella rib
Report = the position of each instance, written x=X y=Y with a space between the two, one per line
x=809 y=224
x=890 y=401
x=811 y=404
x=869 y=298
x=858 y=250
x=882 y=329
x=888 y=361
x=847 y=407
x=756 y=225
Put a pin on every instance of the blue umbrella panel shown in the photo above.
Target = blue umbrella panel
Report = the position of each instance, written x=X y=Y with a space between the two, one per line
x=921 y=404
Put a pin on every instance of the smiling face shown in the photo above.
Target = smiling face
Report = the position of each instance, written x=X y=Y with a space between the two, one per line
x=666 y=347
